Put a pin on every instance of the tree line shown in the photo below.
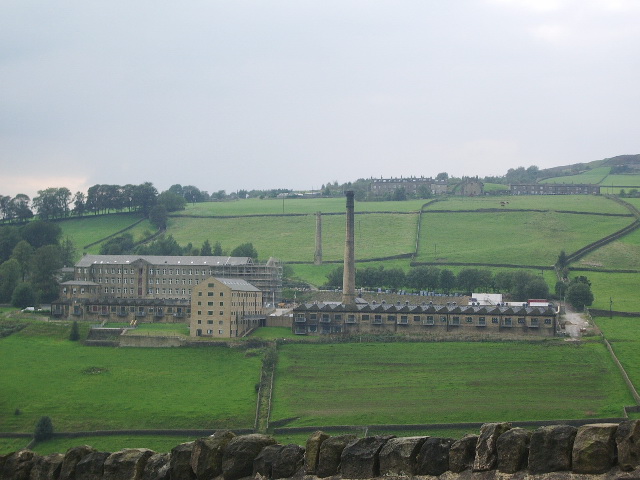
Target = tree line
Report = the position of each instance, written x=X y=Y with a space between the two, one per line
x=167 y=245
x=31 y=257
x=520 y=285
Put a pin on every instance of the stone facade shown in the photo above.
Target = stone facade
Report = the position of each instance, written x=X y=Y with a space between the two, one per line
x=225 y=308
x=411 y=185
x=152 y=288
x=554 y=189
x=326 y=318
x=556 y=452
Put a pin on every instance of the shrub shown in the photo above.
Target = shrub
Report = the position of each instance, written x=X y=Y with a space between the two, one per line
x=44 y=429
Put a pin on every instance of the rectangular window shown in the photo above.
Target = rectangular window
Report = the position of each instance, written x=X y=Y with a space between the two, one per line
x=429 y=320
x=547 y=321
x=313 y=316
x=210 y=322
x=469 y=319
x=377 y=319
x=495 y=320
x=351 y=319
x=507 y=322
x=209 y=312
x=521 y=321
x=404 y=319
x=482 y=322
x=416 y=318
x=338 y=317
x=365 y=318
x=391 y=318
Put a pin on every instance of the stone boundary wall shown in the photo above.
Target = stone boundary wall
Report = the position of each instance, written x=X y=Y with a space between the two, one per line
x=500 y=451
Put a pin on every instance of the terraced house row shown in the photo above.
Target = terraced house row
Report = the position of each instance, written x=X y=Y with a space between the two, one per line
x=330 y=318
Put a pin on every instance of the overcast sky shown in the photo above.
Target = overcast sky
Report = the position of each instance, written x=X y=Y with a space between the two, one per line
x=266 y=94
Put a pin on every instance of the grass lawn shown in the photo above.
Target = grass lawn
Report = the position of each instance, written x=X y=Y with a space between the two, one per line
x=85 y=230
x=513 y=238
x=408 y=383
x=621 y=287
x=593 y=176
x=293 y=238
x=271 y=333
x=573 y=203
x=87 y=388
x=273 y=206
x=624 y=336
x=623 y=253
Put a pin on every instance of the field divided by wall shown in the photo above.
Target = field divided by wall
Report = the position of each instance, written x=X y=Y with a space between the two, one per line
x=418 y=383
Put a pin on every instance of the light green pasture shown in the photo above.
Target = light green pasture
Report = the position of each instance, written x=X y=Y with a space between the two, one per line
x=88 y=388
x=623 y=253
x=255 y=206
x=593 y=176
x=408 y=383
x=574 y=203
x=293 y=238
x=521 y=238
x=85 y=230
x=622 y=288
x=624 y=336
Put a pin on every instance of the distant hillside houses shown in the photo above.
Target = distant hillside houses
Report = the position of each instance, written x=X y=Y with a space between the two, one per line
x=411 y=185
x=555 y=189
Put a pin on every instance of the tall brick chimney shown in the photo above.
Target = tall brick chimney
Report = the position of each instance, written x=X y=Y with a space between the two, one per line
x=349 y=275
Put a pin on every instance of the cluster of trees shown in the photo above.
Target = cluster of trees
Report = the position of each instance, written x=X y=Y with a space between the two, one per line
x=15 y=209
x=30 y=258
x=167 y=245
x=521 y=285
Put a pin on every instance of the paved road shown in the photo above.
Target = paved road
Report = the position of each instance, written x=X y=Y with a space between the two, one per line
x=574 y=323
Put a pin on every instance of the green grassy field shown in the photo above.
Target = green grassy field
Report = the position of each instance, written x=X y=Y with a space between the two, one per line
x=521 y=238
x=89 y=229
x=622 y=288
x=84 y=388
x=593 y=176
x=623 y=254
x=254 y=206
x=573 y=203
x=624 y=336
x=293 y=238
x=445 y=382
x=271 y=333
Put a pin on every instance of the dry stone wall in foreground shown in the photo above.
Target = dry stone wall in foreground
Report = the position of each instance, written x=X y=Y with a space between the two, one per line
x=596 y=451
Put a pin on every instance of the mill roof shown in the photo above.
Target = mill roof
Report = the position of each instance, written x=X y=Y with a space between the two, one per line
x=173 y=260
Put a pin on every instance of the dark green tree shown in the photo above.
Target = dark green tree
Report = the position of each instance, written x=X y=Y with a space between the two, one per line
x=447 y=280
x=22 y=253
x=23 y=296
x=120 y=245
x=74 y=335
x=9 y=279
x=562 y=261
x=43 y=430
x=46 y=261
x=334 y=278
x=206 y=249
x=171 y=201
x=39 y=233
x=579 y=295
x=217 y=250
x=158 y=217
x=245 y=250
x=537 y=288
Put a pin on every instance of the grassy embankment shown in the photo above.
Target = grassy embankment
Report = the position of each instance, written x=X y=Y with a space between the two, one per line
x=416 y=383
x=87 y=388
